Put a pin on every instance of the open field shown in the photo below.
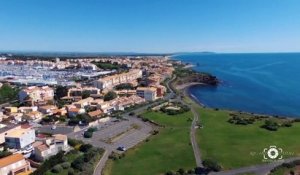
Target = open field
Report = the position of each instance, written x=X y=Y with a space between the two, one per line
x=238 y=145
x=168 y=150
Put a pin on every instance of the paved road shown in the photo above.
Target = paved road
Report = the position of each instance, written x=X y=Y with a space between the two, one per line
x=121 y=133
x=194 y=142
x=193 y=138
x=130 y=139
x=261 y=169
x=102 y=162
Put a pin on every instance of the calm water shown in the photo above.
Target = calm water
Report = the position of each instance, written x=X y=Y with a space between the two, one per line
x=260 y=83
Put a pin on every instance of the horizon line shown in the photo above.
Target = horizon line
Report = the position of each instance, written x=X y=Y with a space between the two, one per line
x=148 y=53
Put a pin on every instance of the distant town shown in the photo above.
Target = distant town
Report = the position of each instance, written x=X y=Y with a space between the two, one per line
x=45 y=103
x=106 y=115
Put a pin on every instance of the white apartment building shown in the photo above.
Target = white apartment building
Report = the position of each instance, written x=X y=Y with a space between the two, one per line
x=80 y=91
x=148 y=93
x=113 y=80
x=20 y=138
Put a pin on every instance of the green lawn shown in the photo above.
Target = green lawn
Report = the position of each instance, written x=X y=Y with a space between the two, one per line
x=169 y=150
x=232 y=145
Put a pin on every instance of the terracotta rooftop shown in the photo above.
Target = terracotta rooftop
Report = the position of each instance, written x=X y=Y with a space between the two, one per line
x=10 y=160
x=60 y=137
x=95 y=113
x=42 y=147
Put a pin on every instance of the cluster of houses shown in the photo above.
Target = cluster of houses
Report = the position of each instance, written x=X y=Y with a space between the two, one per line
x=24 y=142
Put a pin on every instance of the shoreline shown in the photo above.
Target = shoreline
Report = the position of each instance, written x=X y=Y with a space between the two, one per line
x=188 y=85
x=186 y=90
x=188 y=94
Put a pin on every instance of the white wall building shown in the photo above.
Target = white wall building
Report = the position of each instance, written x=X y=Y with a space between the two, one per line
x=20 y=138
x=14 y=164
x=113 y=80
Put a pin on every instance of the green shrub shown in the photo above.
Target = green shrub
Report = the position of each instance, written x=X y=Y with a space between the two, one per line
x=71 y=171
x=110 y=96
x=88 y=134
x=65 y=165
x=270 y=125
x=211 y=165
x=49 y=163
x=92 y=129
x=85 y=147
x=73 y=142
x=56 y=169
x=78 y=163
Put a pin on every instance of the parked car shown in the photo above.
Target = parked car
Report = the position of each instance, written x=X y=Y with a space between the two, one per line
x=121 y=148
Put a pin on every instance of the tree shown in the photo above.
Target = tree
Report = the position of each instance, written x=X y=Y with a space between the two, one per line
x=271 y=125
x=7 y=93
x=88 y=134
x=211 y=165
x=78 y=163
x=110 y=96
x=85 y=94
x=181 y=171
x=57 y=169
x=60 y=92
x=85 y=147
x=71 y=171
x=5 y=153
x=49 y=163
x=65 y=165
x=127 y=86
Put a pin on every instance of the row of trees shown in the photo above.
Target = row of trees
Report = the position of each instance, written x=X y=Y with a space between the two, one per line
x=107 y=65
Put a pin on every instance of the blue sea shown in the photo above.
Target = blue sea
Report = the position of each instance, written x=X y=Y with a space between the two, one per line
x=259 y=83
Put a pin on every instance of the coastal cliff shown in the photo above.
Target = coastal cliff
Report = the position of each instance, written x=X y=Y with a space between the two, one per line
x=189 y=76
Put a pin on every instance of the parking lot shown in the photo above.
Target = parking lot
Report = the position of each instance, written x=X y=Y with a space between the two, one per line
x=113 y=134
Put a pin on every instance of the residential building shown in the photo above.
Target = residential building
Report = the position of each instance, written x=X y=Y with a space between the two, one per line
x=27 y=109
x=48 y=109
x=79 y=91
x=73 y=111
x=160 y=90
x=33 y=116
x=51 y=146
x=95 y=114
x=5 y=129
x=110 y=81
x=36 y=95
x=120 y=103
x=84 y=102
x=20 y=138
x=10 y=110
x=14 y=164
x=148 y=93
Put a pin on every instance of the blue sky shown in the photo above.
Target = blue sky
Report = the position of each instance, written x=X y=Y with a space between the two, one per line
x=150 y=25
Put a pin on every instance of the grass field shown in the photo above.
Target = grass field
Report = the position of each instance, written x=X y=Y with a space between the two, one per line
x=236 y=145
x=168 y=150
